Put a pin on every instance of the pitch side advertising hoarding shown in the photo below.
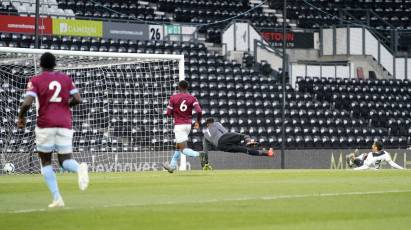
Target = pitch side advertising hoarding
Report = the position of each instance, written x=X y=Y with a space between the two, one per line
x=294 y=159
x=18 y=24
x=125 y=31
x=90 y=28
x=69 y=27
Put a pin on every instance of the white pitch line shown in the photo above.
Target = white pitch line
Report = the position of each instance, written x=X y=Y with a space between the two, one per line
x=279 y=197
x=28 y=210
x=39 y=210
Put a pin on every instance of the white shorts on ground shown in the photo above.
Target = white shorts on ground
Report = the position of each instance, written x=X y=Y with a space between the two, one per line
x=54 y=139
x=181 y=132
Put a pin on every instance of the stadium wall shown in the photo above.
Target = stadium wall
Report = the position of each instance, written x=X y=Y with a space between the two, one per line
x=93 y=28
x=295 y=159
x=354 y=42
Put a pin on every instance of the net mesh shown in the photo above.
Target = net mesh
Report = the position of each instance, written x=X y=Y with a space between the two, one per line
x=120 y=124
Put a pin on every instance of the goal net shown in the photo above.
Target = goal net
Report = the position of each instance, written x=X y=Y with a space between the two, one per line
x=120 y=124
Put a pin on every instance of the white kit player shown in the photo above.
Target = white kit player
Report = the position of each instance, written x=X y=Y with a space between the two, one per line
x=373 y=159
x=56 y=94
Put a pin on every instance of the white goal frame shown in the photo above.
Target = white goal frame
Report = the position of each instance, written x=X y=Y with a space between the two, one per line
x=179 y=58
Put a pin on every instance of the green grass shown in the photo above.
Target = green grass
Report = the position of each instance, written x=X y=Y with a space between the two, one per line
x=247 y=199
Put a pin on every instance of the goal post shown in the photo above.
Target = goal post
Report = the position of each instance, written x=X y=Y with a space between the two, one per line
x=120 y=124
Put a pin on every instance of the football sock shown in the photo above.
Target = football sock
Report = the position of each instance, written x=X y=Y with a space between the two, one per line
x=190 y=152
x=70 y=165
x=51 y=181
x=175 y=158
x=203 y=158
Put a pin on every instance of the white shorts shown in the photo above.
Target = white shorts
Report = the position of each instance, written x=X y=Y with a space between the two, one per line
x=54 y=139
x=181 y=132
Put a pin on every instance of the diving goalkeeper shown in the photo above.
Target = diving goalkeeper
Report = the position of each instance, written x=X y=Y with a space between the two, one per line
x=217 y=137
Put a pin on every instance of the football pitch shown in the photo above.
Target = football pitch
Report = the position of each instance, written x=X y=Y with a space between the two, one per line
x=220 y=199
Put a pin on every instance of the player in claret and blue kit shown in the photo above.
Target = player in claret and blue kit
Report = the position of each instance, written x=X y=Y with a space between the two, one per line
x=180 y=107
x=56 y=94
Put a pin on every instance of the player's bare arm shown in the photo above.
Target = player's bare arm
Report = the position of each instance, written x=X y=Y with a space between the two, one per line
x=169 y=111
x=25 y=106
x=75 y=99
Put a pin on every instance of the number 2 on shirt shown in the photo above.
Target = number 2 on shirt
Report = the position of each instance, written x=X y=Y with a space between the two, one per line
x=55 y=85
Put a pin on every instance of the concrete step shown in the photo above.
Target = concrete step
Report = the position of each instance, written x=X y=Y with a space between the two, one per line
x=379 y=69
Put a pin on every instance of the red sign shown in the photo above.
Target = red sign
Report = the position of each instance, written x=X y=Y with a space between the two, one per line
x=299 y=40
x=17 y=24
x=277 y=36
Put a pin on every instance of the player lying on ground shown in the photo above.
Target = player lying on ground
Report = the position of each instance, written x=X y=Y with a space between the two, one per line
x=56 y=94
x=217 y=137
x=180 y=107
x=371 y=160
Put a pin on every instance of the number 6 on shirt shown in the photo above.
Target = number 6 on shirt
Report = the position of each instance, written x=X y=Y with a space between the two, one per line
x=183 y=106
